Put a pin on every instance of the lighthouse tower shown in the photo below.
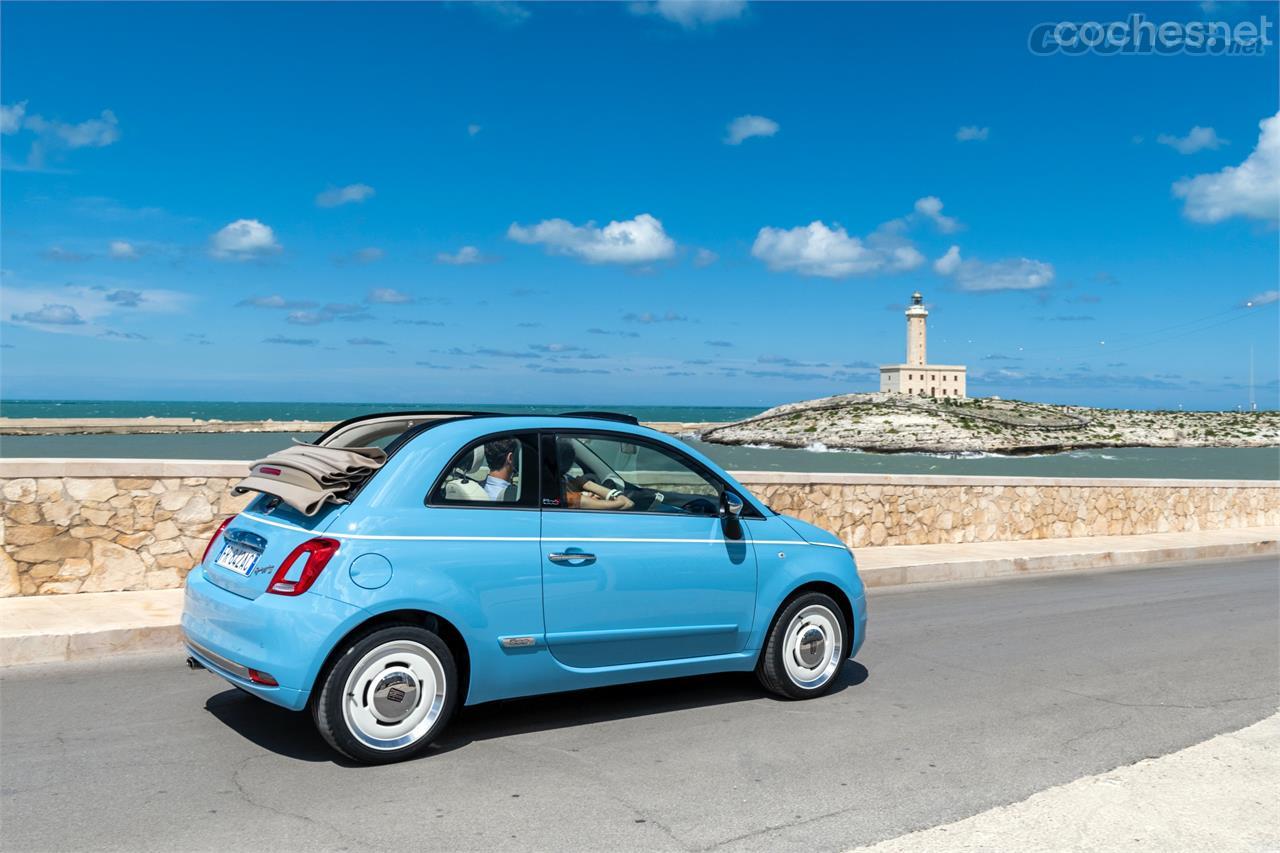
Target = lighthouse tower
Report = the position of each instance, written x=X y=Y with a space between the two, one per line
x=917 y=376
x=917 y=315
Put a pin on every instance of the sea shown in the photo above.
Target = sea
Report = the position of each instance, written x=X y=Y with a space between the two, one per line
x=1183 y=463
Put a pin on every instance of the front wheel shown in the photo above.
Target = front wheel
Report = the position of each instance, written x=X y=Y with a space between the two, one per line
x=388 y=695
x=806 y=648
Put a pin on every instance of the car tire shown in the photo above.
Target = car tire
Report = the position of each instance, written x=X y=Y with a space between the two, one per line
x=806 y=649
x=387 y=695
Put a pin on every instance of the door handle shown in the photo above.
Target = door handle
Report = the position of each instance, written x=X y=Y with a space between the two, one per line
x=574 y=559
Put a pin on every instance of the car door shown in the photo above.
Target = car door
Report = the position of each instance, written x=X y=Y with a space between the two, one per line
x=657 y=581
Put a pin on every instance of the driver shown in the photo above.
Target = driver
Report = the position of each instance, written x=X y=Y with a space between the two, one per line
x=582 y=492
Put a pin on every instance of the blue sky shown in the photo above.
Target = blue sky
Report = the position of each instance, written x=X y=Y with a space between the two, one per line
x=414 y=202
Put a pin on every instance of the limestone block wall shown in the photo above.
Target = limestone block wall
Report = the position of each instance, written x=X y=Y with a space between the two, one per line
x=926 y=510
x=85 y=525
x=97 y=526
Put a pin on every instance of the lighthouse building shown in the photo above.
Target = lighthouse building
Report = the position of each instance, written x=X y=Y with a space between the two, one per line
x=917 y=377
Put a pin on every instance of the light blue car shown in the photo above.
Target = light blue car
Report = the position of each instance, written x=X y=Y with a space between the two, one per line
x=495 y=556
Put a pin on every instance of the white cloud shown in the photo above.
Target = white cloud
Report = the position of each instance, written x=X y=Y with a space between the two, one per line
x=92 y=133
x=648 y=317
x=1006 y=274
x=948 y=263
x=53 y=137
x=704 y=258
x=744 y=127
x=1251 y=189
x=388 y=296
x=972 y=133
x=57 y=253
x=327 y=314
x=122 y=250
x=351 y=193
x=79 y=309
x=243 y=240
x=473 y=129
x=1266 y=297
x=816 y=249
x=369 y=254
x=11 y=118
x=462 y=257
x=930 y=207
x=1197 y=139
x=504 y=12
x=50 y=315
x=630 y=241
x=274 y=301
x=692 y=14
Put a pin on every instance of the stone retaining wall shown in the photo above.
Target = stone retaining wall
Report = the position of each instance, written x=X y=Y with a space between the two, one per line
x=940 y=510
x=85 y=525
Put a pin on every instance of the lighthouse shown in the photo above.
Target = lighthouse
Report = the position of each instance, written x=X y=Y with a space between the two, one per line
x=917 y=315
x=917 y=376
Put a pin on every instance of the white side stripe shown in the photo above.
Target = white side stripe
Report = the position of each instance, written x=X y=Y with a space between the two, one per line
x=370 y=537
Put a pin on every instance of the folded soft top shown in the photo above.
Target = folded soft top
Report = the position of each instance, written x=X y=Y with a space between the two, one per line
x=307 y=476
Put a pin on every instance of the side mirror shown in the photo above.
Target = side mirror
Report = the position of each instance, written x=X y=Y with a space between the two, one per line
x=730 y=511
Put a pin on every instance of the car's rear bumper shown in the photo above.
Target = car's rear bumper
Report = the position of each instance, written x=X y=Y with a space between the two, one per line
x=285 y=637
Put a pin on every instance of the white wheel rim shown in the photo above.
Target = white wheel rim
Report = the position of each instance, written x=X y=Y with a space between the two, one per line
x=394 y=695
x=814 y=643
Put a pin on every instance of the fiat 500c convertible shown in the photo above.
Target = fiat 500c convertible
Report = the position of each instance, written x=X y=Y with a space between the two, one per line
x=494 y=556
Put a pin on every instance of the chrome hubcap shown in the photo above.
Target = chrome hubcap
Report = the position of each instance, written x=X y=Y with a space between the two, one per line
x=394 y=695
x=811 y=646
x=814 y=644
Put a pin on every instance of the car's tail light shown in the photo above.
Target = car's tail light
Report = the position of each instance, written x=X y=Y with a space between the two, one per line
x=216 y=534
x=316 y=553
x=266 y=679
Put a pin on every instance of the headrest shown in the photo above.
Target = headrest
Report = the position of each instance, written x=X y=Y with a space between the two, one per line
x=477 y=460
x=565 y=454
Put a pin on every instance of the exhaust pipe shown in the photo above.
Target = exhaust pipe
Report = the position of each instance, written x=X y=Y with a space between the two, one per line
x=192 y=663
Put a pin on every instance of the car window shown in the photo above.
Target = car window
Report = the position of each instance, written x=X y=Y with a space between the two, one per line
x=498 y=470
x=612 y=473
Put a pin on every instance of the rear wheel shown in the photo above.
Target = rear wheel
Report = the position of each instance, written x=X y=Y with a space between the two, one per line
x=388 y=695
x=806 y=649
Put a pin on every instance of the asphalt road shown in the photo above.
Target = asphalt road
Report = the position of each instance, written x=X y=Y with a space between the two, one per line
x=965 y=697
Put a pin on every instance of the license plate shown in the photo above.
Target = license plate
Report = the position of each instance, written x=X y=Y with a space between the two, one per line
x=237 y=558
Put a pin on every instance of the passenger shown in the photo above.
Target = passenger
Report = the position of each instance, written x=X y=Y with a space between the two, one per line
x=582 y=492
x=501 y=458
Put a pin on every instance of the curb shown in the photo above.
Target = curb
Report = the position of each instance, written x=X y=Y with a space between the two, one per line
x=88 y=645
x=158 y=629
x=983 y=569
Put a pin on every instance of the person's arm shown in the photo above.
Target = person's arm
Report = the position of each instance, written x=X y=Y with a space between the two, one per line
x=602 y=492
x=596 y=496
x=592 y=501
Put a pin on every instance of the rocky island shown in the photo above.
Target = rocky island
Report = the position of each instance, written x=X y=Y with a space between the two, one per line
x=899 y=423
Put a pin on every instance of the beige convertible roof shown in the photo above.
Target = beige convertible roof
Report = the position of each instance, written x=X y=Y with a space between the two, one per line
x=307 y=476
